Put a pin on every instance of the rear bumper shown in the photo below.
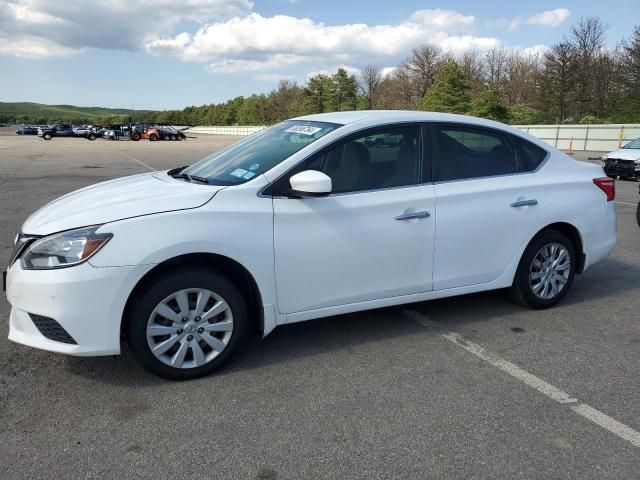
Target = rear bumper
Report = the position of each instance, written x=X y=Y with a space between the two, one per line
x=86 y=301
x=602 y=240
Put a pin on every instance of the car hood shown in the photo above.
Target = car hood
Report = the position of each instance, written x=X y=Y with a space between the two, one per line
x=625 y=154
x=117 y=199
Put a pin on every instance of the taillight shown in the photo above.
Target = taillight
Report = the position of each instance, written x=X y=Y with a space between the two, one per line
x=607 y=185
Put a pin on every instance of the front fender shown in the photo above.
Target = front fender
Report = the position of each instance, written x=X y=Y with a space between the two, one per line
x=245 y=237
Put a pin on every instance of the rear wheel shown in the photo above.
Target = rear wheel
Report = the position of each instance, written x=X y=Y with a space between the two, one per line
x=91 y=136
x=47 y=136
x=185 y=325
x=546 y=270
x=135 y=136
x=153 y=137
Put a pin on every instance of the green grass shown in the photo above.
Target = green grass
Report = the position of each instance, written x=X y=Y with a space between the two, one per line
x=62 y=111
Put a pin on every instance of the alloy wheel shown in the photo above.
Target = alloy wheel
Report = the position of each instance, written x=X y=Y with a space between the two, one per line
x=549 y=271
x=189 y=328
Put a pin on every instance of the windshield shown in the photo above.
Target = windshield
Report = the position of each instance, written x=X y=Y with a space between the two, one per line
x=634 y=144
x=258 y=153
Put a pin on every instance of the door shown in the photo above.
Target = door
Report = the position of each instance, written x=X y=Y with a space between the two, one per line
x=488 y=201
x=371 y=238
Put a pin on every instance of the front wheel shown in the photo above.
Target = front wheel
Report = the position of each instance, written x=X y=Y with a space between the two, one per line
x=545 y=272
x=47 y=136
x=186 y=324
x=153 y=137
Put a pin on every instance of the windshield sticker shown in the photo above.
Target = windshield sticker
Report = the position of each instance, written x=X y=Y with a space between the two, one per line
x=238 y=172
x=255 y=166
x=303 y=129
x=249 y=175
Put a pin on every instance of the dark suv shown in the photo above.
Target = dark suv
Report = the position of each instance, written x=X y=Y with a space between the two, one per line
x=55 y=131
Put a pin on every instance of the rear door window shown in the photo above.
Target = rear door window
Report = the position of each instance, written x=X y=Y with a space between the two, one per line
x=464 y=152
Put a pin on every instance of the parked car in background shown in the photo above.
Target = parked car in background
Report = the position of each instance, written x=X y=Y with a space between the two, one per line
x=27 y=131
x=58 y=130
x=303 y=220
x=624 y=162
x=63 y=130
x=83 y=130
x=638 y=211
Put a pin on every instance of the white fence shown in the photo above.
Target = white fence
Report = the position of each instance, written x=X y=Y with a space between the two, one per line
x=232 y=130
x=600 y=138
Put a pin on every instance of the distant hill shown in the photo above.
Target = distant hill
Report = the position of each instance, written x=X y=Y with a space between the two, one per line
x=27 y=112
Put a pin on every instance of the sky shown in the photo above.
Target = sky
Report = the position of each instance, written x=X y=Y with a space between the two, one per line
x=168 y=54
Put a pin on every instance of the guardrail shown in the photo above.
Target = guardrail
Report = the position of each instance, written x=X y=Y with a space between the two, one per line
x=599 y=137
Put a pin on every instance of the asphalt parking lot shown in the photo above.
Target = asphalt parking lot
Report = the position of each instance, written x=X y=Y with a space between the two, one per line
x=443 y=389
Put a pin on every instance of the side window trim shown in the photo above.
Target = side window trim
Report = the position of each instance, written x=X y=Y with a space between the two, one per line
x=269 y=190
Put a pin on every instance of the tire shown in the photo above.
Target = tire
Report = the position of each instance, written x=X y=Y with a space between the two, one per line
x=638 y=214
x=47 y=136
x=190 y=338
x=153 y=137
x=523 y=290
x=181 y=137
x=91 y=137
x=135 y=136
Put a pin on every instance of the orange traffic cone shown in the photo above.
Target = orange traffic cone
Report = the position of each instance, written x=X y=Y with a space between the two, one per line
x=621 y=137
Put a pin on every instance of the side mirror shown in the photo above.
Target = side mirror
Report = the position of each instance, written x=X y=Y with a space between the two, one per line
x=310 y=183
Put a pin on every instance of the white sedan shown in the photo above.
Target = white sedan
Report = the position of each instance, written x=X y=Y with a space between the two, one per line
x=624 y=162
x=305 y=219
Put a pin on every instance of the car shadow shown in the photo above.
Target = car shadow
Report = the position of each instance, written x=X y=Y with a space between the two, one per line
x=287 y=343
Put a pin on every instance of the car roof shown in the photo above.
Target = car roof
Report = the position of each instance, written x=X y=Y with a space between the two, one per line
x=371 y=118
x=387 y=116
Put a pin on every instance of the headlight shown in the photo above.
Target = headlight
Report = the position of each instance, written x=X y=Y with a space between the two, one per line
x=64 y=249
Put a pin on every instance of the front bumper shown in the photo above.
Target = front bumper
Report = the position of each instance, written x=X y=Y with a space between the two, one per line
x=617 y=168
x=86 y=301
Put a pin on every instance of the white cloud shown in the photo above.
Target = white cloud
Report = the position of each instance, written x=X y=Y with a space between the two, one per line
x=550 y=18
x=535 y=50
x=55 y=28
x=269 y=62
x=510 y=24
x=33 y=47
x=386 y=71
x=255 y=39
x=331 y=70
x=228 y=37
x=442 y=19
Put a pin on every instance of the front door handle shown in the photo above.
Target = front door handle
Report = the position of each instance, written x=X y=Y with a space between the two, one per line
x=412 y=215
x=525 y=203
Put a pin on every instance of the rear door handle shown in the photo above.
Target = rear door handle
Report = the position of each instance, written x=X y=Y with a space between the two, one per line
x=525 y=203
x=412 y=215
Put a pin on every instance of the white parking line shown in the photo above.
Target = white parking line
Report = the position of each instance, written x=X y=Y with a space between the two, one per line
x=135 y=159
x=610 y=424
x=627 y=203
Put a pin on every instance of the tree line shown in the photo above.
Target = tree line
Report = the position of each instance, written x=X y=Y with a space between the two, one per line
x=577 y=80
